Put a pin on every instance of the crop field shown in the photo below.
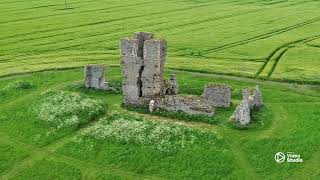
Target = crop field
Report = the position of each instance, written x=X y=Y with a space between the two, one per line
x=254 y=38
x=51 y=127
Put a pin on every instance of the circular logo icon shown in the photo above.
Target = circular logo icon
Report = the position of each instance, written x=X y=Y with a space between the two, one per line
x=279 y=157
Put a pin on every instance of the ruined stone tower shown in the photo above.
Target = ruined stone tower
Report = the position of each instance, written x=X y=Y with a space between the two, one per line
x=142 y=63
x=94 y=76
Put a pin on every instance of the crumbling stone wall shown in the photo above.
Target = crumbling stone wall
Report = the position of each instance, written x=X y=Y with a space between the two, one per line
x=254 y=97
x=242 y=113
x=176 y=103
x=218 y=95
x=152 y=75
x=94 y=76
x=142 y=63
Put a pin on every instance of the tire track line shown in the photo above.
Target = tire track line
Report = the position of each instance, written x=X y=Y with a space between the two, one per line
x=150 y=25
x=111 y=9
x=118 y=30
x=281 y=51
x=262 y=36
x=103 y=22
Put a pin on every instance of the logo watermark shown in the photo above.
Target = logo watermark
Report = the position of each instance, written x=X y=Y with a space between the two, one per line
x=291 y=157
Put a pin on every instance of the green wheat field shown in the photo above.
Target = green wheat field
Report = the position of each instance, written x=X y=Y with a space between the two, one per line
x=51 y=127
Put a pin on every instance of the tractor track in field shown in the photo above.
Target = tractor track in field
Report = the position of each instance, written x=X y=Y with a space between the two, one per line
x=118 y=29
x=207 y=20
x=14 y=11
x=18 y=11
x=262 y=36
x=104 y=22
x=151 y=24
x=109 y=10
x=280 y=51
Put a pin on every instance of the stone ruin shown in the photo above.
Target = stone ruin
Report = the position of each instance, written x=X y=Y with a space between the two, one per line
x=94 y=76
x=218 y=95
x=189 y=105
x=142 y=64
x=172 y=87
x=142 y=61
x=242 y=113
x=254 y=96
x=252 y=101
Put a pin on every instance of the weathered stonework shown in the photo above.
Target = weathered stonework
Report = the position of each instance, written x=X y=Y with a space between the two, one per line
x=218 y=95
x=172 y=87
x=152 y=76
x=242 y=113
x=189 y=105
x=254 y=97
x=142 y=63
x=94 y=76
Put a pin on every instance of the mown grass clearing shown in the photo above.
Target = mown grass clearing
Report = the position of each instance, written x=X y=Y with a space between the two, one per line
x=233 y=153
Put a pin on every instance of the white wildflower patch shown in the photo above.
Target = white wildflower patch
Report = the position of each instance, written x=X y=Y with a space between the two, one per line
x=163 y=137
x=66 y=109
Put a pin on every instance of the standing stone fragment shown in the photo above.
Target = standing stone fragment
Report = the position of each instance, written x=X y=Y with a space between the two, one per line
x=172 y=87
x=218 y=95
x=94 y=76
x=174 y=84
x=254 y=96
x=242 y=113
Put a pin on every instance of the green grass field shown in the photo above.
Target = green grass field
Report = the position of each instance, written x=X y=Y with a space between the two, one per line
x=53 y=128
x=288 y=123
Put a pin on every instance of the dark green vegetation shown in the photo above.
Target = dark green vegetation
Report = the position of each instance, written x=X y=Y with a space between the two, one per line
x=289 y=122
x=272 y=39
